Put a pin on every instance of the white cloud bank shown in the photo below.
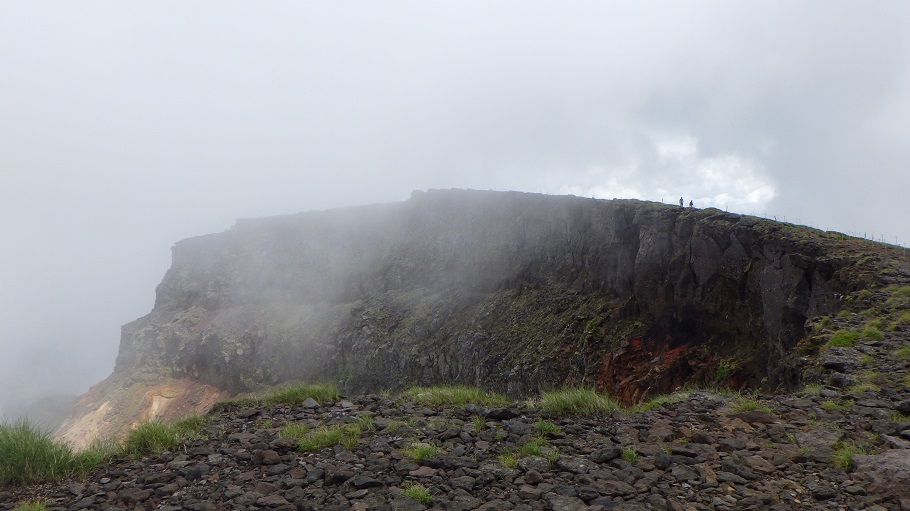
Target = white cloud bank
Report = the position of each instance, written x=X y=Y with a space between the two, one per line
x=727 y=181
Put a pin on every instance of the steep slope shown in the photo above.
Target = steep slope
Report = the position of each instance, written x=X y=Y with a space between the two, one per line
x=510 y=291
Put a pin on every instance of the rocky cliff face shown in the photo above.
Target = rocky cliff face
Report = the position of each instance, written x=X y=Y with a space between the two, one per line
x=509 y=291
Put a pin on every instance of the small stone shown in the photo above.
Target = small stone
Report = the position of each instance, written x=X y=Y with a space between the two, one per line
x=606 y=455
x=534 y=463
x=309 y=403
x=265 y=488
x=403 y=503
x=527 y=492
x=273 y=500
x=564 y=503
x=277 y=470
x=266 y=457
x=572 y=464
x=533 y=477
x=362 y=481
x=502 y=414
x=755 y=417
x=728 y=477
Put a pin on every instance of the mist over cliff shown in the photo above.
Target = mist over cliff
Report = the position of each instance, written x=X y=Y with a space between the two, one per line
x=510 y=291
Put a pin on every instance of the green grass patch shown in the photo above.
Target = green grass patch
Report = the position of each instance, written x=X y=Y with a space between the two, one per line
x=577 y=401
x=899 y=294
x=630 y=454
x=419 y=451
x=453 y=395
x=877 y=323
x=31 y=505
x=155 y=437
x=418 y=492
x=658 y=401
x=824 y=323
x=480 y=423
x=323 y=393
x=870 y=332
x=833 y=406
x=330 y=436
x=367 y=422
x=748 y=404
x=864 y=387
x=725 y=369
x=843 y=454
x=296 y=430
x=813 y=389
x=545 y=427
x=843 y=339
x=509 y=459
x=29 y=455
x=533 y=447
x=902 y=353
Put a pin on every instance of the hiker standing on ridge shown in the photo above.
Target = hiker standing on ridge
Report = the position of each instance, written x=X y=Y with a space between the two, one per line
x=680 y=202
x=691 y=205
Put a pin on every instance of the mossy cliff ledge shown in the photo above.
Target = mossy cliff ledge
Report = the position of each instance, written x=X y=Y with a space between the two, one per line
x=509 y=291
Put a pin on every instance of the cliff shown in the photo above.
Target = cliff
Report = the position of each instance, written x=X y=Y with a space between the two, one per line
x=508 y=291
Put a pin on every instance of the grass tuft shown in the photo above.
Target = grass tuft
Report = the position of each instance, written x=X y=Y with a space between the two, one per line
x=577 y=401
x=864 y=387
x=29 y=455
x=658 y=401
x=154 y=437
x=813 y=389
x=330 y=436
x=545 y=427
x=833 y=406
x=630 y=454
x=321 y=392
x=295 y=430
x=870 y=332
x=509 y=459
x=748 y=404
x=31 y=505
x=725 y=369
x=418 y=492
x=454 y=395
x=843 y=455
x=844 y=339
x=419 y=451
x=533 y=447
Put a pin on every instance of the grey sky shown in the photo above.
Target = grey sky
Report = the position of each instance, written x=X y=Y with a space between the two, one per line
x=126 y=126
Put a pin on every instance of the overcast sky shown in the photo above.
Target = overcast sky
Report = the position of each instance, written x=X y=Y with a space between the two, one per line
x=127 y=126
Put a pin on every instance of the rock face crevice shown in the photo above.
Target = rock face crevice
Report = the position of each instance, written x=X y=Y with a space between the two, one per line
x=510 y=291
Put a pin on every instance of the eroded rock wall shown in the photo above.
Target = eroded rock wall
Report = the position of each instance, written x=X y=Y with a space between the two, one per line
x=510 y=291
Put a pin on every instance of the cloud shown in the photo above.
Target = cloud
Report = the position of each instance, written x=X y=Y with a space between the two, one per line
x=128 y=126
x=675 y=168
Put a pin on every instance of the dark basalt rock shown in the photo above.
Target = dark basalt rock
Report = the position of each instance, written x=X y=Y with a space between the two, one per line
x=513 y=292
x=450 y=285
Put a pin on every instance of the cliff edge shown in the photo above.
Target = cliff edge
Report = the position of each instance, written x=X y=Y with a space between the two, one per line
x=509 y=291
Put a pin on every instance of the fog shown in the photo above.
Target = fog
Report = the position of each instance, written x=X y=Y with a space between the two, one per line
x=126 y=126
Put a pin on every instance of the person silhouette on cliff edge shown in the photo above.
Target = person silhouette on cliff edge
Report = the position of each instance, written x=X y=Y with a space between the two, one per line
x=680 y=202
x=691 y=205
